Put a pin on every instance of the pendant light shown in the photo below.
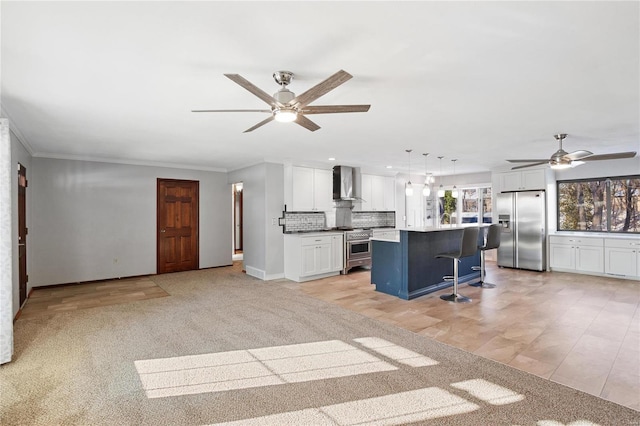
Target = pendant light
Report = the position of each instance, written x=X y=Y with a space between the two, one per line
x=426 y=191
x=441 y=188
x=454 y=192
x=408 y=189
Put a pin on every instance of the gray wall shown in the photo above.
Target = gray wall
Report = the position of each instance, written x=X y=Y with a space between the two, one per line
x=263 y=201
x=92 y=220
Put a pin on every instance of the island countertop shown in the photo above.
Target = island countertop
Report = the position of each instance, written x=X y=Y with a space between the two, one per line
x=408 y=268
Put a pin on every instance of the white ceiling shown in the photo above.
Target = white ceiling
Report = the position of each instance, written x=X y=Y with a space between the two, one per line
x=480 y=82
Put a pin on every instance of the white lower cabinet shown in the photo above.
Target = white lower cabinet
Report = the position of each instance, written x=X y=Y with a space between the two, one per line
x=337 y=252
x=622 y=257
x=309 y=257
x=576 y=254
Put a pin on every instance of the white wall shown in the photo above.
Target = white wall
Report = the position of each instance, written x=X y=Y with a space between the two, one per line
x=19 y=155
x=92 y=220
x=263 y=201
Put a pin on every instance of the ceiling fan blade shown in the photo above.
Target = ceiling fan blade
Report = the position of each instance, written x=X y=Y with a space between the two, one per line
x=260 y=124
x=320 y=89
x=237 y=78
x=530 y=165
x=529 y=161
x=578 y=155
x=306 y=123
x=231 y=110
x=329 y=109
x=614 y=156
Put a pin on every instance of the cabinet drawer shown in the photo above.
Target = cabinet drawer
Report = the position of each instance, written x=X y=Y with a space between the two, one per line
x=309 y=241
x=622 y=243
x=580 y=241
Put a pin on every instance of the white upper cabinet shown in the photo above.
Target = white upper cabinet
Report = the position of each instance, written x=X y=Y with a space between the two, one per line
x=312 y=189
x=378 y=193
x=523 y=180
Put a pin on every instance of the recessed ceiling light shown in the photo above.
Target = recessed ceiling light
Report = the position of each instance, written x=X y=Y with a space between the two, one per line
x=389 y=167
x=332 y=159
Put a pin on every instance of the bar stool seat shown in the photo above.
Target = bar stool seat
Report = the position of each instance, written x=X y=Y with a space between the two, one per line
x=492 y=241
x=468 y=247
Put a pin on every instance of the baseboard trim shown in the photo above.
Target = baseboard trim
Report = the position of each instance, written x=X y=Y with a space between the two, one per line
x=262 y=275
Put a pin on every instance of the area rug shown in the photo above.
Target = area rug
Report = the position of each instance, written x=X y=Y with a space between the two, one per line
x=225 y=348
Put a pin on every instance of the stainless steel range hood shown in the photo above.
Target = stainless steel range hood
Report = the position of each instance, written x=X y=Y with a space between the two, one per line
x=346 y=183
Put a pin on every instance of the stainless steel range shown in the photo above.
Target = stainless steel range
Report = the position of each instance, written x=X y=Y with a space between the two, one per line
x=357 y=248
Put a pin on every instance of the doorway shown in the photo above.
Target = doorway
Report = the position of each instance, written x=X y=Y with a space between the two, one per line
x=177 y=225
x=23 y=278
x=237 y=221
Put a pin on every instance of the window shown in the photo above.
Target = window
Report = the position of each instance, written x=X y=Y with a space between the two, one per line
x=600 y=204
x=472 y=206
x=448 y=209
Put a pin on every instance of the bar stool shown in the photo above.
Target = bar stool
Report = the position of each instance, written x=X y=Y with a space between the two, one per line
x=468 y=247
x=492 y=241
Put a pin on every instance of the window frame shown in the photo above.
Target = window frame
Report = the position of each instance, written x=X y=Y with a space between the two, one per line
x=608 y=204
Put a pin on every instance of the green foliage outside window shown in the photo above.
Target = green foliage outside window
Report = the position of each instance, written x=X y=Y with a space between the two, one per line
x=600 y=205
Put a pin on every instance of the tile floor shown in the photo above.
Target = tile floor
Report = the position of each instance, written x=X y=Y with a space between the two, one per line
x=579 y=330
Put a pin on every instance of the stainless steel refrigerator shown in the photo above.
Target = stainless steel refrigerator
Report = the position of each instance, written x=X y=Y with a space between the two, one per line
x=523 y=237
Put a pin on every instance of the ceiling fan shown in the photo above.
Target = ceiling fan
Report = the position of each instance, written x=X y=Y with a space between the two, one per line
x=562 y=159
x=287 y=107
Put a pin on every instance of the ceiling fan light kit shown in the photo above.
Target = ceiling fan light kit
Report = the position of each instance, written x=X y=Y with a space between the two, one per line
x=561 y=159
x=286 y=107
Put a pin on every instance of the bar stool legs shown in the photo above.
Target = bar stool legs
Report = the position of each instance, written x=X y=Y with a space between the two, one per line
x=492 y=241
x=455 y=297
x=483 y=273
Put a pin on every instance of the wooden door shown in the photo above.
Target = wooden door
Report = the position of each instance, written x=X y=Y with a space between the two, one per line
x=237 y=217
x=23 y=278
x=178 y=248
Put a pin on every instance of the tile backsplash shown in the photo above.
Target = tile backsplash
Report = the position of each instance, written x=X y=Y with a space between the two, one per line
x=375 y=219
x=303 y=222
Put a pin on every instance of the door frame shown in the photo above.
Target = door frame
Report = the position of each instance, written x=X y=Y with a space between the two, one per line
x=195 y=233
x=23 y=276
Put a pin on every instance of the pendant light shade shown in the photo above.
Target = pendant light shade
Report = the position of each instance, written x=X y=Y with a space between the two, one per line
x=426 y=191
x=441 y=188
x=454 y=192
x=408 y=189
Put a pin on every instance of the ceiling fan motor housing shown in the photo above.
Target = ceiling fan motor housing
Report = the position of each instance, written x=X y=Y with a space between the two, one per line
x=284 y=96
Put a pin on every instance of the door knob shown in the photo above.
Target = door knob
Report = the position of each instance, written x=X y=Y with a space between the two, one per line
x=162 y=230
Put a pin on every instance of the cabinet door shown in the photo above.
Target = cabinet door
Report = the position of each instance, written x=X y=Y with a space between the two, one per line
x=337 y=253
x=365 y=193
x=562 y=256
x=621 y=261
x=303 y=189
x=377 y=193
x=323 y=190
x=323 y=258
x=511 y=181
x=589 y=259
x=389 y=193
x=533 y=179
x=308 y=260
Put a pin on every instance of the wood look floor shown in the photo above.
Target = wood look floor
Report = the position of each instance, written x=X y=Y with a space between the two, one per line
x=51 y=300
x=579 y=330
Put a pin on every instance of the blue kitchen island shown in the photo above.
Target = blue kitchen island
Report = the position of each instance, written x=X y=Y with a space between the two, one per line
x=408 y=268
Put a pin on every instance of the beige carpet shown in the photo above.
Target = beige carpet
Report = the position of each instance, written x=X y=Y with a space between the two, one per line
x=226 y=348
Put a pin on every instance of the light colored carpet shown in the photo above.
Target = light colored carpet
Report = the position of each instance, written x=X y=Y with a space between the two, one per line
x=226 y=348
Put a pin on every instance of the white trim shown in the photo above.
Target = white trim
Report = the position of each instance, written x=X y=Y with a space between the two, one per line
x=125 y=161
x=255 y=272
